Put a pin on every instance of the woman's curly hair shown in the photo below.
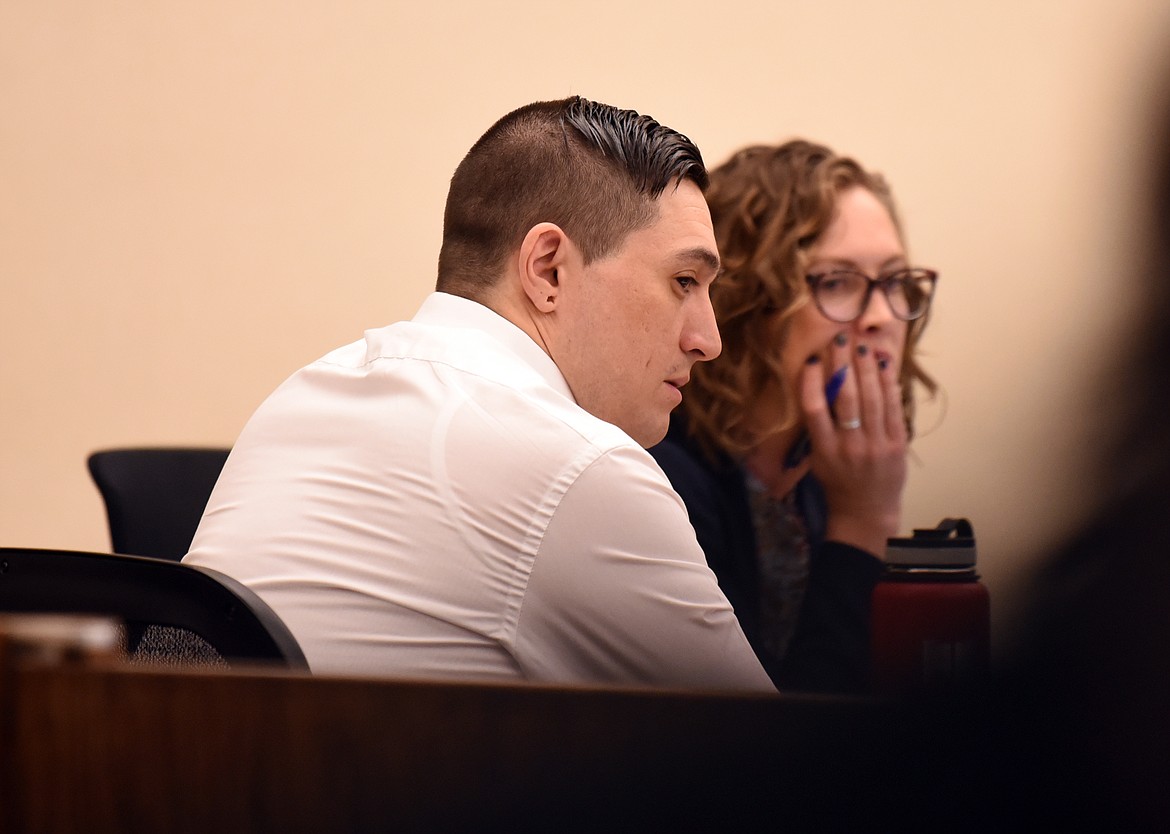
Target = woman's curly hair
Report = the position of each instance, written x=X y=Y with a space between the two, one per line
x=769 y=206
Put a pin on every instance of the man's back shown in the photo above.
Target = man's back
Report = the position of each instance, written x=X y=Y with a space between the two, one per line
x=432 y=503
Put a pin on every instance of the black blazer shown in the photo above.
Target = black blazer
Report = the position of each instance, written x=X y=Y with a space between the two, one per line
x=829 y=651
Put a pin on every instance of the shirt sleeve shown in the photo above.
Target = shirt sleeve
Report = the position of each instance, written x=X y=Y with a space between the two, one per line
x=620 y=593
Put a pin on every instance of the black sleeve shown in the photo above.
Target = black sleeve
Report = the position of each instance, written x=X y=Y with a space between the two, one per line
x=830 y=648
x=698 y=489
x=718 y=510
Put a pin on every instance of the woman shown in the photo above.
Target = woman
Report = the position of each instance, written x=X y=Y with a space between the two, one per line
x=793 y=498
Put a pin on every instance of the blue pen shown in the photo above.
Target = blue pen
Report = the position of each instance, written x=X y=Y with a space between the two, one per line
x=803 y=445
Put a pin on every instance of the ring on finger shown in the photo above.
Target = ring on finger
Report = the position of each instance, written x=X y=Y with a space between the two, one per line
x=850 y=425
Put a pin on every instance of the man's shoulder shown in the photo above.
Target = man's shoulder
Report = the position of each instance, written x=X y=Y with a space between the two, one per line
x=493 y=395
x=506 y=379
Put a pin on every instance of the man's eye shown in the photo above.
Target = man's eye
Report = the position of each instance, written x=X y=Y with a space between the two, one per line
x=685 y=281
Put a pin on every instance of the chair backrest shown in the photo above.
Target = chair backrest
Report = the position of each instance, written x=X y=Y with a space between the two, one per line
x=150 y=593
x=155 y=497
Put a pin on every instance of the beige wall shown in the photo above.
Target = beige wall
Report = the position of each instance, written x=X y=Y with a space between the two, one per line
x=198 y=198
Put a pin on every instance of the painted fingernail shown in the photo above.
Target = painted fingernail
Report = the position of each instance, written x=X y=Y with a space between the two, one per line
x=812 y=360
x=883 y=363
x=862 y=350
x=840 y=339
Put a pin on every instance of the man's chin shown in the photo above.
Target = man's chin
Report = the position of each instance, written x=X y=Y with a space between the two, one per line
x=650 y=435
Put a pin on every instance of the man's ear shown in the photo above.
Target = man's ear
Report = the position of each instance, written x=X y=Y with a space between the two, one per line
x=543 y=253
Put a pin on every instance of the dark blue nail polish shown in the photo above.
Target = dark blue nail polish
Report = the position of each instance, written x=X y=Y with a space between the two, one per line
x=862 y=350
x=840 y=339
x=883 y=363
x=812 y=360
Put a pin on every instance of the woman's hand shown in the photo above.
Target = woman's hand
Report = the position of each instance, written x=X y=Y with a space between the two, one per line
x=859 y=457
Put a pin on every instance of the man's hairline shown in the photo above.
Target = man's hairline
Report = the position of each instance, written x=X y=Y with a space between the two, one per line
x=700 y=253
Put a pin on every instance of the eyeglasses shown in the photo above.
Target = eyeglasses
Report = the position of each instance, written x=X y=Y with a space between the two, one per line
x=842 y=295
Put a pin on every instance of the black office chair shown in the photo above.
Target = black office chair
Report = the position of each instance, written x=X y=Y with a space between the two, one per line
x=186 y=614
x=155 y=497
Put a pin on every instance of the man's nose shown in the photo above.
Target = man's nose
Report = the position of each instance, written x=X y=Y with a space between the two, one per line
x=701 y=333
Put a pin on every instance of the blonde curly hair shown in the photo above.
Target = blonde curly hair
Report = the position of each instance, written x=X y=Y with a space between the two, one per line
x=769 y=206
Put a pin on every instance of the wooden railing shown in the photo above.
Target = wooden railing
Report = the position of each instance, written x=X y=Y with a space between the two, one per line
x=91 y=744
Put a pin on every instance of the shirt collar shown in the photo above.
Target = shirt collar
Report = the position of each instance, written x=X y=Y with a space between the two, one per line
x=446 y=310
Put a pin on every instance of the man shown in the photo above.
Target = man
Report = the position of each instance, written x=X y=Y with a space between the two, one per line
x=466 y=495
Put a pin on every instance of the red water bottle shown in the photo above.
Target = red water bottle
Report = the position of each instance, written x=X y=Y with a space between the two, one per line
x=931 y=615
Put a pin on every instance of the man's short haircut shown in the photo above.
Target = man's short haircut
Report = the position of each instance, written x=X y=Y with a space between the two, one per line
x=592 y=169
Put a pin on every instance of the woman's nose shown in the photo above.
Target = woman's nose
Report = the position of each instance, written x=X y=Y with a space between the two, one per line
x=877 y=311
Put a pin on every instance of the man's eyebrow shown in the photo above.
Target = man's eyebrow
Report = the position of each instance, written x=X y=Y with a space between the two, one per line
x=701 y=254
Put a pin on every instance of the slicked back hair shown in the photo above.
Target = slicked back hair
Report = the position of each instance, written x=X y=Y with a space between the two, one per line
x=592 y=169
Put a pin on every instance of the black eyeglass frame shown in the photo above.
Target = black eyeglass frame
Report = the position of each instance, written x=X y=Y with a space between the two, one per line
x=886 y=282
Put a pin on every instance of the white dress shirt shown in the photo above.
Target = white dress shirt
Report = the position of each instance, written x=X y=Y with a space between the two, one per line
x=431 y=502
